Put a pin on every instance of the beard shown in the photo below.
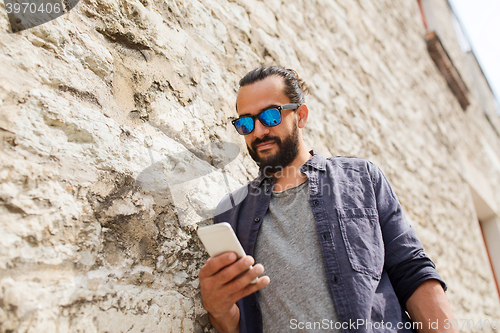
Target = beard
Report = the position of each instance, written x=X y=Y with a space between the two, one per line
x=288 y=149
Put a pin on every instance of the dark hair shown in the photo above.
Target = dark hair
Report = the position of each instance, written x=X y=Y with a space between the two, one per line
x=295 y=88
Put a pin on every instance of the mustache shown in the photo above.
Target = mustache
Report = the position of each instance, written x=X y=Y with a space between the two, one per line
x=258 y=141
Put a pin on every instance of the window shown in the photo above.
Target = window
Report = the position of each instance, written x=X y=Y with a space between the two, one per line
x=440 y=56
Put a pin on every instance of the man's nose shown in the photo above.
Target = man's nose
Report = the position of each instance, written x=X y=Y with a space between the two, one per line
x=260 y=130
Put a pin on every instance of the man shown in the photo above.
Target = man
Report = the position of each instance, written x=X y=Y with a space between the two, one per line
x=330 y=232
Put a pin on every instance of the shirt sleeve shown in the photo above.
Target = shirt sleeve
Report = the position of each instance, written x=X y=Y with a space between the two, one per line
x=405 y=260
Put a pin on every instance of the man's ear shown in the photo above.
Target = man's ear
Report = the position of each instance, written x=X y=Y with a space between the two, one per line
x=302 y=114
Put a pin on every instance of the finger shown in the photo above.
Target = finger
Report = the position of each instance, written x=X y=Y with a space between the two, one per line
x=245 y=279
x=231 y=272
x=251 y=288
x=214 y=265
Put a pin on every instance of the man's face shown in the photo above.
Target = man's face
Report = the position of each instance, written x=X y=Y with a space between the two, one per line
x=275 y=147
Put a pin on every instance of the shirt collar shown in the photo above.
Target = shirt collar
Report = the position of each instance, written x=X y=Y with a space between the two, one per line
x=317 y=161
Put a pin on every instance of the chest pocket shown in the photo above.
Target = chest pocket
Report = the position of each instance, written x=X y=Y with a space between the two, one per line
x=363 y=240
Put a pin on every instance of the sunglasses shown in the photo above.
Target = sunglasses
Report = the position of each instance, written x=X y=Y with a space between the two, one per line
x=269 y=118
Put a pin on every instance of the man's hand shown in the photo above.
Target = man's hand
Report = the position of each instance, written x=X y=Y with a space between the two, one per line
x=221 y=287
x=428 y=302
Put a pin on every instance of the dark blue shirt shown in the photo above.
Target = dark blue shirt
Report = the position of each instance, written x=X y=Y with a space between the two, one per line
x=373 y=258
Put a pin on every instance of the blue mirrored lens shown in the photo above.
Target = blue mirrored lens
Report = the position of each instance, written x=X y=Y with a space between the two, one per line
x=244 y=125
x=271 y=117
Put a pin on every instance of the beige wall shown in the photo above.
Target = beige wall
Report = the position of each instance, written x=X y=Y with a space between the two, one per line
x=92 y=100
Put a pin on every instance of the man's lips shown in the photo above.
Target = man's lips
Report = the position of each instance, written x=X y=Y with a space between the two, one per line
x=265 y=145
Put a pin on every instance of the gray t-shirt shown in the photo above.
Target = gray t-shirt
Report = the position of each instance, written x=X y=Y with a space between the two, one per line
x=298 y=297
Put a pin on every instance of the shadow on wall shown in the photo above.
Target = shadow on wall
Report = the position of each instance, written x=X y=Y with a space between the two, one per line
x=195 y=180
x=26 y=14
x=139 y=216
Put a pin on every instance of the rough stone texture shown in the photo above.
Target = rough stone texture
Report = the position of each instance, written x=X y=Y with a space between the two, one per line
x=99 y=102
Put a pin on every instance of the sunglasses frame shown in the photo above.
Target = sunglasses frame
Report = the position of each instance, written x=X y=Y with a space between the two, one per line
x=292 y=106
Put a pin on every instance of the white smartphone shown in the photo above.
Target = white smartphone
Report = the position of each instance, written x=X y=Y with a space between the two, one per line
x=219 y=238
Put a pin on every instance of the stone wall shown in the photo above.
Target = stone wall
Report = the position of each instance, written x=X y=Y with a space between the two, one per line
x=105 y=111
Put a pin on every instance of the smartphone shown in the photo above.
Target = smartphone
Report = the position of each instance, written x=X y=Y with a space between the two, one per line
x=219 y=238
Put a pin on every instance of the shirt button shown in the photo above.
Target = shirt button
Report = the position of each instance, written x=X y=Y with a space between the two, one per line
x=267 y=190
x=315 y=202
x=257 y=220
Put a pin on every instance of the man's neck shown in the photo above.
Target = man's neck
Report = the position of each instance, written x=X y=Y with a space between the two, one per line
x=291 y=176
